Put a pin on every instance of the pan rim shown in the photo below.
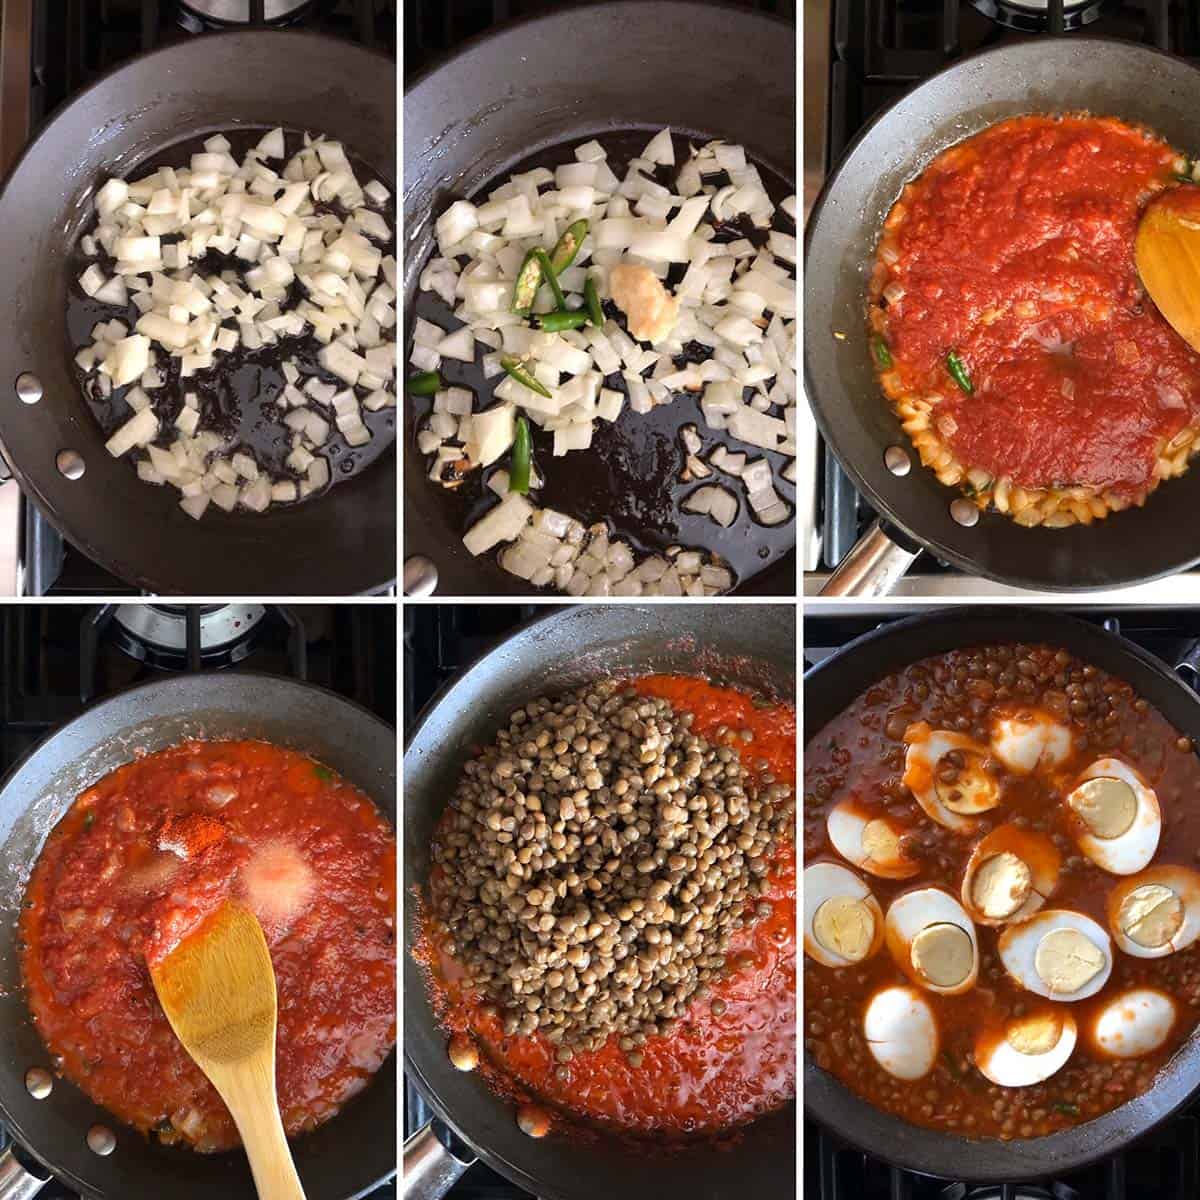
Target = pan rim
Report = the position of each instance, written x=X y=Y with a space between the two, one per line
x=21 y=1138
x=885 y=510
x=932 y=1147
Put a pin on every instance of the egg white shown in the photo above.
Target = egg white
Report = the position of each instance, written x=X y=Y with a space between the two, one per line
x=1018 y=944
x=1185 y=883
x=901 y=1032
x=913 y=911
x=1135 y=1023
x=823 y=881
x=1005 y=1065
x=1133 y=849
x=845 y=826
x=1029 y=739
x=926 y=747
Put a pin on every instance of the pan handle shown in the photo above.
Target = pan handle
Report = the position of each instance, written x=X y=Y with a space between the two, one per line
x=873 y=567
x=16 y=1183
x=430 y=1168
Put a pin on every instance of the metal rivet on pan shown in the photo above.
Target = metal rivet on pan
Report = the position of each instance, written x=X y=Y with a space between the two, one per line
x=420 y=576
x=964 y=512
x=896 y=459
x=29 y=388
x=101 y=1140
x=39 y=1083
x=69 y=463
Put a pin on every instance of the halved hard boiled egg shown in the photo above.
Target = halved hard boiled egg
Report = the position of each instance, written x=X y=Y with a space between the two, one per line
x=901 y=1032
x=1058 y=954
x=1010 y=875
x=870 y=841
x=933 y=940
x=843 y=923
x=1028 y=739
x=1134 y=1023
x=1157 y=912
x=1029 y=1049
x=1116 y=816
x=946 y=772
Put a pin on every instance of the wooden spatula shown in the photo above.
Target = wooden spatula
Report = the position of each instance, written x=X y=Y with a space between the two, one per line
x=217 y=988
x=1167 y=252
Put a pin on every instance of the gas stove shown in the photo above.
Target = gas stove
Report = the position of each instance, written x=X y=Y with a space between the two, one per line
x=49 y=51
x=1163 y=1165
x=57 y=659
x=859 y=57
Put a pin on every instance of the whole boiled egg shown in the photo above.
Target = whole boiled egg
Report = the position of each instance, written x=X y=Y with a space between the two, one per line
x=1029 y=1049
x=1058 y=954
x=1156 y=912
x=870 y=841
x=933 y=940
x=1116 y=816
x=1010 y=875
x=901 y=1032
x=1134 y=1023
x=843 y=923
x=947 y=774
x=1027 y=739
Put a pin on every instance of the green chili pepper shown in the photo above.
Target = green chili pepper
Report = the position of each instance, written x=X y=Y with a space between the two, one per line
x=89 y=818
x=1185 y=176
x=568 y=245
x=529 y=279
x=322 y=773
x=592 y=297
x=568 y=318
x=548 y=275
x=523 y=377
x=425 y=384
x=1063 y=1106
x=958 y=372
x=522 y=458
x=883 y=356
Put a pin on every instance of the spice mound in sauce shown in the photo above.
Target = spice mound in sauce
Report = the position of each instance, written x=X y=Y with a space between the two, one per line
x=668 y=1005
x=137 y=863
x=1011 y=331
x=1091 y=1019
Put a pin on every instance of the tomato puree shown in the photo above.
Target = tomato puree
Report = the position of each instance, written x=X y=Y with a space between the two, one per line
x=1015 y=251
x=717 y=1069
x=142 y=858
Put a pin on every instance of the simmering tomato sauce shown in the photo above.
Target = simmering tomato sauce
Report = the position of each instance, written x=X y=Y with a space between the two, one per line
x=714 y=1071
x=142 y=858
x=1014 y=250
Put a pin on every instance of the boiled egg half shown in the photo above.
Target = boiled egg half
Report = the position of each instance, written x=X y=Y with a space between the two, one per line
x=946 y=773
x=1157 y=912
x=1116 y=816
x=1030 y=1048
x=901 y=1032
x=870 y=841
x=1134 y=1023
x=1027 y=739
x=1010 y=875
x=1058 y=954
x=933 y=940
x=843 y=923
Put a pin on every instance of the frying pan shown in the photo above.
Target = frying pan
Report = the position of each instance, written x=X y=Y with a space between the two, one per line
x=584 y=71
x=753 y=647
x=1105 y=77
x=339 y=1160
x=339 y=543
x=828 y=690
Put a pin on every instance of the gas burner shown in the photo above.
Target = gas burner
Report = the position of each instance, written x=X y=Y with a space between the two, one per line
x=157 y=634
x=197 y=15
x=1033 y=16
x=1006 y=1191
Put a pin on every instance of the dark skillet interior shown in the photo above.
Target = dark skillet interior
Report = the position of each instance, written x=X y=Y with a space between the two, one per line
x=342 y=1158
x=342 y=543
x=828 y=690
x=588 y=71
x=1107 y=78
x=754 y=648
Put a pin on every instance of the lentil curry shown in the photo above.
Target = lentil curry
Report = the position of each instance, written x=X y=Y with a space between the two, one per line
x=611 y=924
x=1024 y=816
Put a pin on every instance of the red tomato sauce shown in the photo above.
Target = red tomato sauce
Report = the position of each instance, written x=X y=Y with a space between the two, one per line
x=142 y=858
x=713 y=1072
x=1016 y=251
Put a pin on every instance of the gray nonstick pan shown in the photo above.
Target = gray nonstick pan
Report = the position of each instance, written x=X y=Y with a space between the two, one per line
x=829 y=689
x=340 y=1160
x=1108 y=78
x=753 y=648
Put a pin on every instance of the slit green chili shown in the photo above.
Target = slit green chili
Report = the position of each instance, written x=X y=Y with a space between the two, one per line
x=591 y=296
x=427 y=383
x=514 y=368
x=522 y=458
x=548 y=272
x=881 y=353
x=568 y=245
x=556 y=322
x=958 y=372
x=529 y=278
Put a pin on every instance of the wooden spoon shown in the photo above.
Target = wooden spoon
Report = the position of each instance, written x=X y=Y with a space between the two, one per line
x=1167 y=252
x=217 y=988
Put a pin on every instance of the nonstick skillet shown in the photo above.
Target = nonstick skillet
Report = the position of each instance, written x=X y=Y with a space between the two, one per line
x=585 y=71
x=1108 y=78
x=339 y=543
x=829 y=689
x=339 y=1160
x=752 y=648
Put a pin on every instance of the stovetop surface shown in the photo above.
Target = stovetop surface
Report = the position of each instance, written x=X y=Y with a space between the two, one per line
x=56 y=659
x=1163 y=1165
